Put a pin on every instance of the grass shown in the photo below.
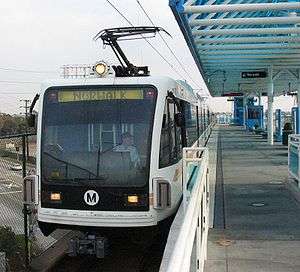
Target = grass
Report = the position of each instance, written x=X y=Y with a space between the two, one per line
x=13 y=246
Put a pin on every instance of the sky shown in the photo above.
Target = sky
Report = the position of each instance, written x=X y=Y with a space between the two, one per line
x=38 y=37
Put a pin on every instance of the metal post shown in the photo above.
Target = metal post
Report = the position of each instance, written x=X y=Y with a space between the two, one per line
x=208 y=117
x=204 y=119
x=261 y=124
x=198 y=240
x=270 y=107
x=25 y=206
x=244 y=110
x=201 y=119
x=26 y=118
x=24 y=155
x=279 y=124
x=298 y=105
x=26 y=107
x=184 y=175
x=298 y=174
x=198 y=125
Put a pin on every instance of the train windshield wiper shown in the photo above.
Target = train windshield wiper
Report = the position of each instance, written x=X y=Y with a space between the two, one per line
x=70 y=164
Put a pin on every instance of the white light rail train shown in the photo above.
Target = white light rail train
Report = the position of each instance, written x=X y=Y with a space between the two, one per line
x=110 y=145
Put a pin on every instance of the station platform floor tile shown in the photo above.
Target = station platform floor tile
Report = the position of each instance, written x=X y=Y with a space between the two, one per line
x=256 y=216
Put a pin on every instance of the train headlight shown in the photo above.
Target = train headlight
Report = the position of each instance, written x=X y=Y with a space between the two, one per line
x=101 y=68
x=133 y=199
x=54 y=196
x=136 y=200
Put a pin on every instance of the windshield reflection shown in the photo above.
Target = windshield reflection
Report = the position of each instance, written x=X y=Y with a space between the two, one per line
x=103 y=141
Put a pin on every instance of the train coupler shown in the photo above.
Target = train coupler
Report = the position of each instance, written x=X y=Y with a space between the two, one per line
x=90 y=244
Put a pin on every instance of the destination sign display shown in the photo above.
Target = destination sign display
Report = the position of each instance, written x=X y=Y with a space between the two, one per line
x=232 y=94
x=254 y=74
x=96 y=95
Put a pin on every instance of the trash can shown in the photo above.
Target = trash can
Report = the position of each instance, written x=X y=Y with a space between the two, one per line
x=286 y=131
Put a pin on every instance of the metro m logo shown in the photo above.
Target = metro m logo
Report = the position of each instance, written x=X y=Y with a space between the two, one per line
x=91 y=197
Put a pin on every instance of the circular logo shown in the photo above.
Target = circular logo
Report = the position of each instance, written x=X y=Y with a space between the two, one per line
x=91 y=197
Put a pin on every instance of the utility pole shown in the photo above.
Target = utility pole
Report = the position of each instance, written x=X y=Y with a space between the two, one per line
x=26 y=108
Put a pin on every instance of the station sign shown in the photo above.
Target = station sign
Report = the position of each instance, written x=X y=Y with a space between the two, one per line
x=254 y=74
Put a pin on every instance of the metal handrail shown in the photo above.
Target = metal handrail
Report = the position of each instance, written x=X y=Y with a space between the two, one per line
x=193 y=229
x=205 y=135
x=294 y=157
x=17 y=135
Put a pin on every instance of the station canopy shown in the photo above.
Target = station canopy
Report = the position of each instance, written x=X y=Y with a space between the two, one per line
x=240 y=46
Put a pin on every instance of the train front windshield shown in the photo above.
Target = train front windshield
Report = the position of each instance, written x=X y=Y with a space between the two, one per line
x=98 y=135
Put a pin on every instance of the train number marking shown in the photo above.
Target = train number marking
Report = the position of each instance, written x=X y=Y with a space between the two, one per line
x=91 y=197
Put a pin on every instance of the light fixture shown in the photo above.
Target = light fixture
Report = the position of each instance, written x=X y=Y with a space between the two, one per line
x=132 y=199
x=101 y=68
x=55 y=196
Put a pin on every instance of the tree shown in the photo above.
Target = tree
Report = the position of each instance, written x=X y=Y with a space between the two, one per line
x=12 y=124
x=8 y=241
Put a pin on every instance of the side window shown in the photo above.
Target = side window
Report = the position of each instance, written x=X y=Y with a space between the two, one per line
x=172 y=138
x=178 y=137
x=164 y=150
x=170 y=141
x=201 y=121
x=190 y=114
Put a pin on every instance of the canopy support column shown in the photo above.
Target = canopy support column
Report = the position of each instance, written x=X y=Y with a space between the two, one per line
x=261 y=125
x=298 y=105
x=270 y=107
x=244 y=110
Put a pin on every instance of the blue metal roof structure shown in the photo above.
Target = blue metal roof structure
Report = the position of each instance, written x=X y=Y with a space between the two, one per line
x=229 y=37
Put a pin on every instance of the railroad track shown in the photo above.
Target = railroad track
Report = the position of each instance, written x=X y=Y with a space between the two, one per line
x=123 y=256
x=76 y=264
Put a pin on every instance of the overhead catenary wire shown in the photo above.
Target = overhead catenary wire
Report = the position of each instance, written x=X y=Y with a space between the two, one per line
x=122 y=15
x=150 y=44
x=15 y=93
x=167 y=45
x=26 y=71
x=10 y=104
x=19 y=82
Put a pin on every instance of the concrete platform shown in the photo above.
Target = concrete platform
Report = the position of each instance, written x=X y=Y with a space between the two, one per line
x=256 y=216
x=53 y=254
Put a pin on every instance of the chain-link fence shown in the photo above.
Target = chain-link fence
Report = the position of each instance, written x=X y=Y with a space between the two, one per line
x=19 y=241
x=2 y=261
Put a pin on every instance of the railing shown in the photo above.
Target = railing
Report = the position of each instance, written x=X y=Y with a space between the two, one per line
x=205 y=135
x=190 y=227
x=293 y=157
